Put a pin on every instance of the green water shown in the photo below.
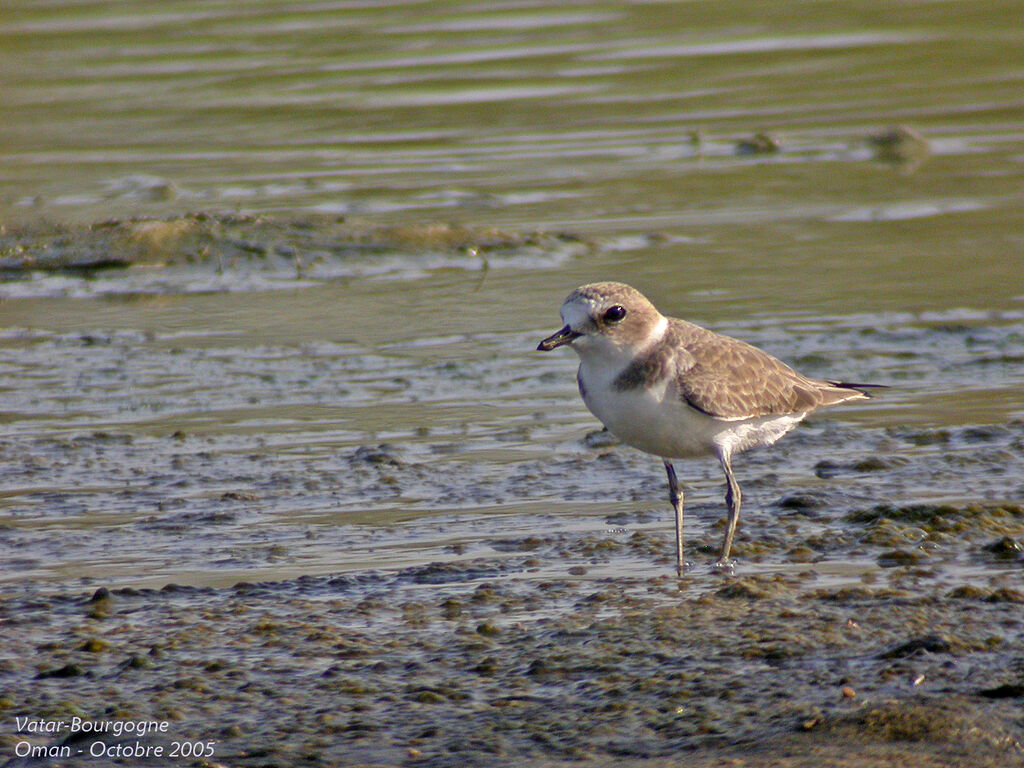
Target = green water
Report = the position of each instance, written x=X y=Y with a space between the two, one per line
x=596 y=117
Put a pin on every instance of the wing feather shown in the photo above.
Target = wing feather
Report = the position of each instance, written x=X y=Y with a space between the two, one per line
x=730 y=379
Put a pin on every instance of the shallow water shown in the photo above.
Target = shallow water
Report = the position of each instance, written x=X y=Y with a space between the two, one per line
x=328 y=428
x=222 y=420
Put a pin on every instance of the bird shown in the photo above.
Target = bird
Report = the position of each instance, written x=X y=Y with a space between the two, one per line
x=676 y=390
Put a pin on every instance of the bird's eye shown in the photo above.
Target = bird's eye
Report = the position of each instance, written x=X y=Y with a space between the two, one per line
x=614 y=314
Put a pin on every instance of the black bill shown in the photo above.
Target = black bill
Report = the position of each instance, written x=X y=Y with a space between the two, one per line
x=563 y=336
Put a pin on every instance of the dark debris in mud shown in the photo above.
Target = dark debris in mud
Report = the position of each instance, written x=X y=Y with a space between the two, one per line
x=935 y=532
x=529 y=655
x=477 y=663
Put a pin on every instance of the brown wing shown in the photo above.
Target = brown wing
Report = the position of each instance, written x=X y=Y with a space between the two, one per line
x=730 y=379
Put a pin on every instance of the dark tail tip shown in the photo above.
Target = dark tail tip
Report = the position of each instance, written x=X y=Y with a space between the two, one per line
x=858 y=387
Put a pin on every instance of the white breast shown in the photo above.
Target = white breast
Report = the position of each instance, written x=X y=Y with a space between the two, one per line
x=650 y=419
x=657 y=420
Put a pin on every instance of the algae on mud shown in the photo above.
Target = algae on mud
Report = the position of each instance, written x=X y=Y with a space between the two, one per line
x=223 y=240
x=481 y=663
x=531 y=647
x=460 y=624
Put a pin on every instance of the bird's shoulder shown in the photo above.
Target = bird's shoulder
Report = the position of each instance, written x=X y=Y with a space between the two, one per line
x=663 y=359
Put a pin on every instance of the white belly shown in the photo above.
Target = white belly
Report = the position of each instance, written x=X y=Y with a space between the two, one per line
x=658 y=421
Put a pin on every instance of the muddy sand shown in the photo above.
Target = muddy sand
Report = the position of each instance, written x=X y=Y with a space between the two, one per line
x=854 y=632
x=487 y=662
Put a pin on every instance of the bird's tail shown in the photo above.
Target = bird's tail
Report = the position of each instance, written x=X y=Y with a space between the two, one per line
x=857 y=387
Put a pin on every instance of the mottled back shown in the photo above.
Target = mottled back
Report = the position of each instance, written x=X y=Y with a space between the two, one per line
x=728 y=378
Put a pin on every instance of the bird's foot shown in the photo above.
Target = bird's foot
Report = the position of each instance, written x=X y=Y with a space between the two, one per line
x=683 y=567
x=725 y=566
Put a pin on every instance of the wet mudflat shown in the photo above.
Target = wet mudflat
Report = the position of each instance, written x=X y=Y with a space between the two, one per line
x=294 y=422
x=282 y=474
x=413 y=546
x=313 y=541
x=488 y=662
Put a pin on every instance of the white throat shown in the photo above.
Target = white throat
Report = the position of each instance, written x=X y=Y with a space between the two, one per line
x=657 y=333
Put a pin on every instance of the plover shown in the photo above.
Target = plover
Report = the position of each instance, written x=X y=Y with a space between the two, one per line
x=676 y=390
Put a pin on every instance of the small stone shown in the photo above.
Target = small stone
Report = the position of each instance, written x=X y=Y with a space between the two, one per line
x=758 y=144
x=1004 y=691
x=428 y=697
x=925 y=644
x=811 y=723
x=874 y=464
x=239 y=496
x=487 y=629
x=381 y=454
x=451 y=608
x=68 y=670
x=827 y=469
x=488 y=666
x=1005 y=595
x=968 y=592
x=898 y=557
x=802 y=502
x=900 y=145
x=1006 y=548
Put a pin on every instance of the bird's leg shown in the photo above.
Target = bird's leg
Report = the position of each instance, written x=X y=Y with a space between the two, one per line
x=732 y=501
x=676 y=497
